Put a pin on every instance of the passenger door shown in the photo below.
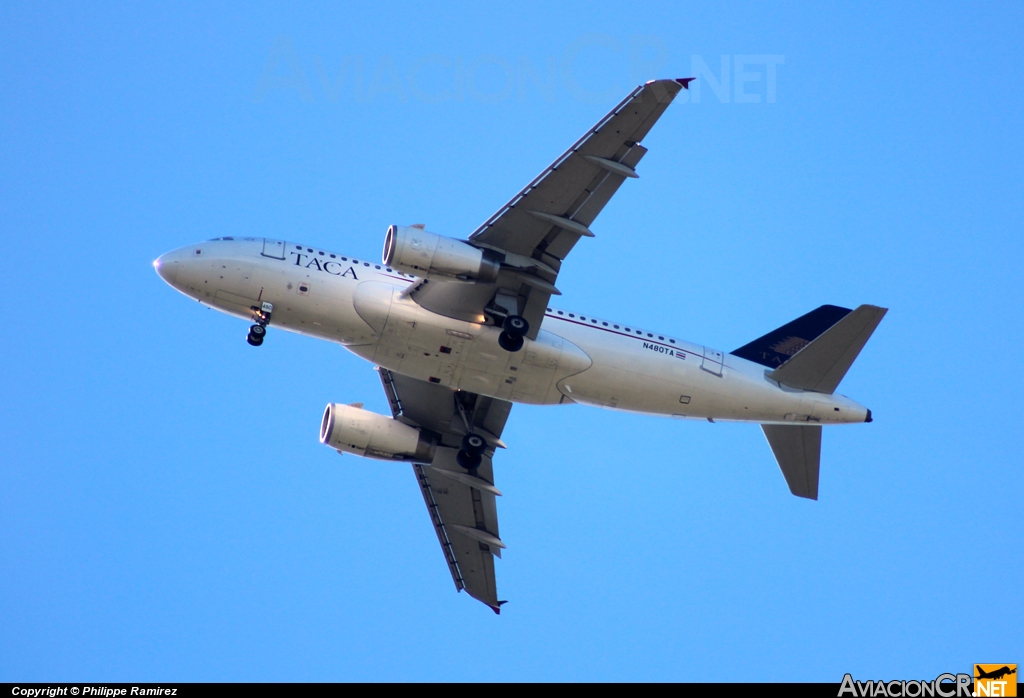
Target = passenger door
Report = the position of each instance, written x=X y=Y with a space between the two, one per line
x=273 y=248
x=712 y=362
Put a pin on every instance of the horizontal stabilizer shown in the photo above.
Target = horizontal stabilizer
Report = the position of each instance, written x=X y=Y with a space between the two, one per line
x=821 y=365
x=798 y=451
x=778 y=346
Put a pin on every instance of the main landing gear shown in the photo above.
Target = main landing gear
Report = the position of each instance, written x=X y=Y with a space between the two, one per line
x=471 y=454
x=261 y=316
x=514 y=329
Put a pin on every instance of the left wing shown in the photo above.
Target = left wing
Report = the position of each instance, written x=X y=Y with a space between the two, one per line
x=538 y=228
x=462 y=506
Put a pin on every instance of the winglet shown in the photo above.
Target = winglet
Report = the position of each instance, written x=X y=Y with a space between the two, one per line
x=685 y=82
x=497 y=608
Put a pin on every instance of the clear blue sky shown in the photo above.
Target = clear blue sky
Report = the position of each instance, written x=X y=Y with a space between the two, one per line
x=166 y=511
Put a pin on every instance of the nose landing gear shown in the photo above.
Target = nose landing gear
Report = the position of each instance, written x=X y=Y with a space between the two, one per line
x=514 y=329
x=261 y=316
x=256 y=335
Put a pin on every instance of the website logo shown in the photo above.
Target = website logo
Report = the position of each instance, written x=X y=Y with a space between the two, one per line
x=995 y=680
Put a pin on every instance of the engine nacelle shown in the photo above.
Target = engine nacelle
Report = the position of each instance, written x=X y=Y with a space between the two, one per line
x=355 y=430
x=421 y=253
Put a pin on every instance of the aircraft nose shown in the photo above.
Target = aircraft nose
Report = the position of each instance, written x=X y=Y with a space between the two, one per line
x=166 y=268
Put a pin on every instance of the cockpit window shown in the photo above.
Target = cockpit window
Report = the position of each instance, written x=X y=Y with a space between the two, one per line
x=215 y=239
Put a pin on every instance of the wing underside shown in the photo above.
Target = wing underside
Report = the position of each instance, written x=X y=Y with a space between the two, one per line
x=541 y=224
x=462 y=506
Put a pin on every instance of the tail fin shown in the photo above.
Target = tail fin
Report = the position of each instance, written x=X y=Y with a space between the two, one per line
x=798 y=451
x=821 y=365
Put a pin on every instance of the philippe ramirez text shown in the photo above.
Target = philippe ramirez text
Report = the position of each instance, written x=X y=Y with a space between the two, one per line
x=104 y=691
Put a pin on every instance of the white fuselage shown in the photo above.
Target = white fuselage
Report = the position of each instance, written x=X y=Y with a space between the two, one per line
x=575 y=358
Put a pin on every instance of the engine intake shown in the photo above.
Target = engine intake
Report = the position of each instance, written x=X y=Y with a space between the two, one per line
x=355 y=430
x=421 y=253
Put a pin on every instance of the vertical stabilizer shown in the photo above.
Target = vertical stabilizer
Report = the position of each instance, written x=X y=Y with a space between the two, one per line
x=798 y=450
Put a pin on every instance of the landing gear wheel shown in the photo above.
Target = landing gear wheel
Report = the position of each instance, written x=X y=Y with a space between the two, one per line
x=473 y=444
x=256 y=335
x=515 y=326
x=510 y=343
x=514 y=329
x=469 y=461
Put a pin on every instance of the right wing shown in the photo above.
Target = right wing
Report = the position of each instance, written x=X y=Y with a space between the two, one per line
x=462 y=506
x=538 y=228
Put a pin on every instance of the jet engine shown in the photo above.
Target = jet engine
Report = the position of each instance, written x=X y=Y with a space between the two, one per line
x=421 y=253
x=352 y=429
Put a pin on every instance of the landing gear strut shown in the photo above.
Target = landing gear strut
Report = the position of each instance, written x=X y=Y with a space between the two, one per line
x=261 y=316
x=514 y=329
x=471 y=454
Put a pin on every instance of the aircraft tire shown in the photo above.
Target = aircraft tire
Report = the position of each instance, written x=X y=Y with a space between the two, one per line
x=509 y=342
x=515 y=326
x=256 y=335
x=473 y=444
x=469 y=461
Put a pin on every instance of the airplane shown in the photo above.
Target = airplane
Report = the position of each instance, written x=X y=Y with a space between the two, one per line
x=460 y=330
x=994 y=674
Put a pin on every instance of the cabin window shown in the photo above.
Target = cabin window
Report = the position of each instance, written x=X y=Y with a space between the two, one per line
x=560 y=312
x=672 y=340
x=376 y=266
x=605 y=324
x=615 y=326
